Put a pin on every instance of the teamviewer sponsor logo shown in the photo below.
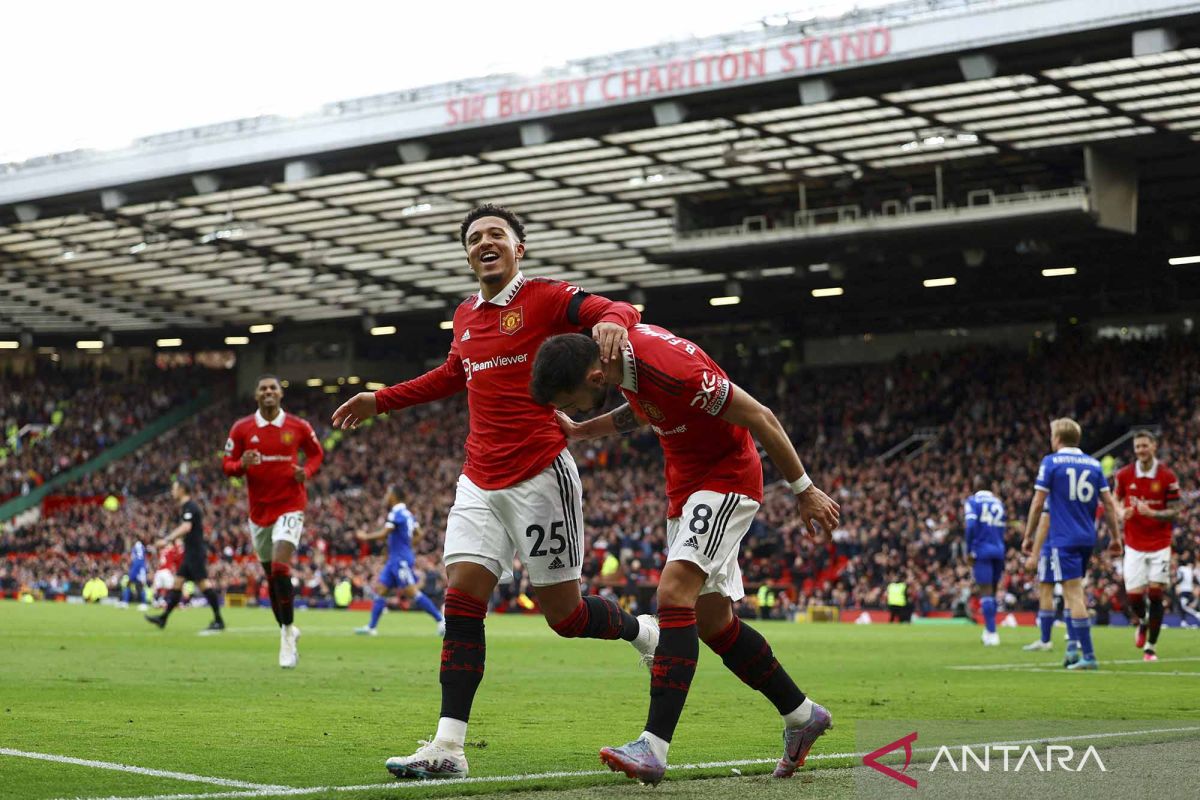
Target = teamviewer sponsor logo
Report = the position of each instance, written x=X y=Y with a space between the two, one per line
x=471 y=367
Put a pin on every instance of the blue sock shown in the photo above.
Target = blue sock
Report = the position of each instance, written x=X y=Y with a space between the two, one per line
x=125 y=595
x=1083 y=632
x=988 y=606
x=377 y=610
x=425 y=604
x=1072 y=636
x=1046 y=623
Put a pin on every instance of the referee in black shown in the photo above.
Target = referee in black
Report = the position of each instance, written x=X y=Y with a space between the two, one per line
x=195 y=555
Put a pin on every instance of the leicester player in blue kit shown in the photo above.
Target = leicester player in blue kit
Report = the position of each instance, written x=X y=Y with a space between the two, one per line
x=1074 y=482
x=400 y=529
x=136 y=585
x=985 y=519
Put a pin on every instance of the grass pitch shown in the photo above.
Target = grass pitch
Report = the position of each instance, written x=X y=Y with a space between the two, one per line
x=213 y=716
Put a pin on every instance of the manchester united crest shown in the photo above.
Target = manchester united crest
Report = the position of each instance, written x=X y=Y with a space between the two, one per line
x=1154 y=487
x=287 y=437
x=653 y=412
x=511 y=320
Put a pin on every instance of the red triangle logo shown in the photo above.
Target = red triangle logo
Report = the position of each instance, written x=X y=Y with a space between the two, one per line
x=906 y=742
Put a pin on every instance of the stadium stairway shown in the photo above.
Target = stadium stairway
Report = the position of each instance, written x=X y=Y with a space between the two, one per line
x=156 y=428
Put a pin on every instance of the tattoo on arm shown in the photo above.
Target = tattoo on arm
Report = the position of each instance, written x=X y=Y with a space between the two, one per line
x=624 y=420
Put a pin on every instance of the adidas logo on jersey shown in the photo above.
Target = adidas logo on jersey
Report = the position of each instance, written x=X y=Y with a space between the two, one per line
x=691 y=542
x=556 y=563
x=466 y=335
x=254 y=439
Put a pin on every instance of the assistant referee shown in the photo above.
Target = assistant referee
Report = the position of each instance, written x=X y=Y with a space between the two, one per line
x=195 y=555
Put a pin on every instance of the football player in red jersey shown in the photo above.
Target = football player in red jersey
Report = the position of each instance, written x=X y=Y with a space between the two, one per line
x=707 y=427
x=519 y=492
x=264 y=447
x=1148 y=496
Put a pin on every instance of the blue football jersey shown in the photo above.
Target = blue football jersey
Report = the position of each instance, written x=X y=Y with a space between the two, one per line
x=985 y=522
x=401 y=524
x=137 y=555
x=1073 y=482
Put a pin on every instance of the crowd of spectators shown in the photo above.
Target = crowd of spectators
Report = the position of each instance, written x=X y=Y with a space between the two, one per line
x=901 y=516
x=54 y=419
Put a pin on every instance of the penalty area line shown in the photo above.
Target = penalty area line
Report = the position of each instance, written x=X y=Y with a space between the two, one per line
x=420 y=784
x=154 y=773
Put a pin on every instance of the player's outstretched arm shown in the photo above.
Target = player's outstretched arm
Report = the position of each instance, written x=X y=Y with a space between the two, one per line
x=619 y=420
x=364 y=536
x=439 y=383
x=609 y=320
x=815 y=506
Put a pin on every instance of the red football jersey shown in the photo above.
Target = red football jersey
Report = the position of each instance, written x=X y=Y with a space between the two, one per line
x=272 y=485
x=674 y=385
x=511 y=438
x=1157 y=488
x=171 y=557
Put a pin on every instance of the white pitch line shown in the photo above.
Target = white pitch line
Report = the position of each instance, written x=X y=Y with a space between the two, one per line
x=1060 y=670
x=418 y=784
x=156 y=773
x=1035 y=664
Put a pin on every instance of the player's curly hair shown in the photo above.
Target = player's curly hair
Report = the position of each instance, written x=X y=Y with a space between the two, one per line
x=490 y=210
x=561 y=364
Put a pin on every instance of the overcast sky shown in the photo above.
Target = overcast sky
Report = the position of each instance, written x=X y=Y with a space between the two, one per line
x=98 y=74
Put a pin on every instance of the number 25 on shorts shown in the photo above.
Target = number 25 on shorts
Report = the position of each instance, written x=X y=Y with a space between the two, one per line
x=558 y=542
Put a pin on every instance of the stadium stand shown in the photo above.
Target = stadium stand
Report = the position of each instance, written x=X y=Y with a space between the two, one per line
x=54 y=419
x=990 y=407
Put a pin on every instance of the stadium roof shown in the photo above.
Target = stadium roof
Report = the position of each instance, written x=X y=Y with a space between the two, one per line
x=372 y=231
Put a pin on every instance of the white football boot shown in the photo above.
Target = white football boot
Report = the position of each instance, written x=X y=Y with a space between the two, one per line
x=436 y=759
x=288 y=656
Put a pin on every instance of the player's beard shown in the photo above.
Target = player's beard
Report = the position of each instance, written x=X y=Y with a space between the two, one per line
x=599 y=395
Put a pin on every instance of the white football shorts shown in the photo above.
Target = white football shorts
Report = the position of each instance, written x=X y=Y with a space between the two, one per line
x=1142 y=568
x=540 y=518
x=709 y=534
x=287 y=528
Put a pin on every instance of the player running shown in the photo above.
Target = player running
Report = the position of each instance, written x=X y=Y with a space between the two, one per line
x=1073 y=482
x=265 y=447
x=707 y=427
x=401 y=531
x=985 y=523
x=195 y=556
x=136 y=587
x=519 y=492
x=1148 y=496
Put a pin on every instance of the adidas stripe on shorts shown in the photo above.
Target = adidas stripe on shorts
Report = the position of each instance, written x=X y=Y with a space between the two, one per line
x=709 y=534
x=539 y=519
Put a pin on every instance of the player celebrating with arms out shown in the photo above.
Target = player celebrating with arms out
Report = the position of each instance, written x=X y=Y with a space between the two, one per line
x=1148 y=496
x=265 y=448
x=401 y=531
x=707 y=427
x=984 y=517
x=1073 y=482
x=519 y=491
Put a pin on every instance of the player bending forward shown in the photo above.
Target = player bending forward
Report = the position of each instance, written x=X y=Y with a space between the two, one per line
x=265 y=447
x=1073 y=482
x=707 y=427
x=1148 y=498
x=519 y=491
